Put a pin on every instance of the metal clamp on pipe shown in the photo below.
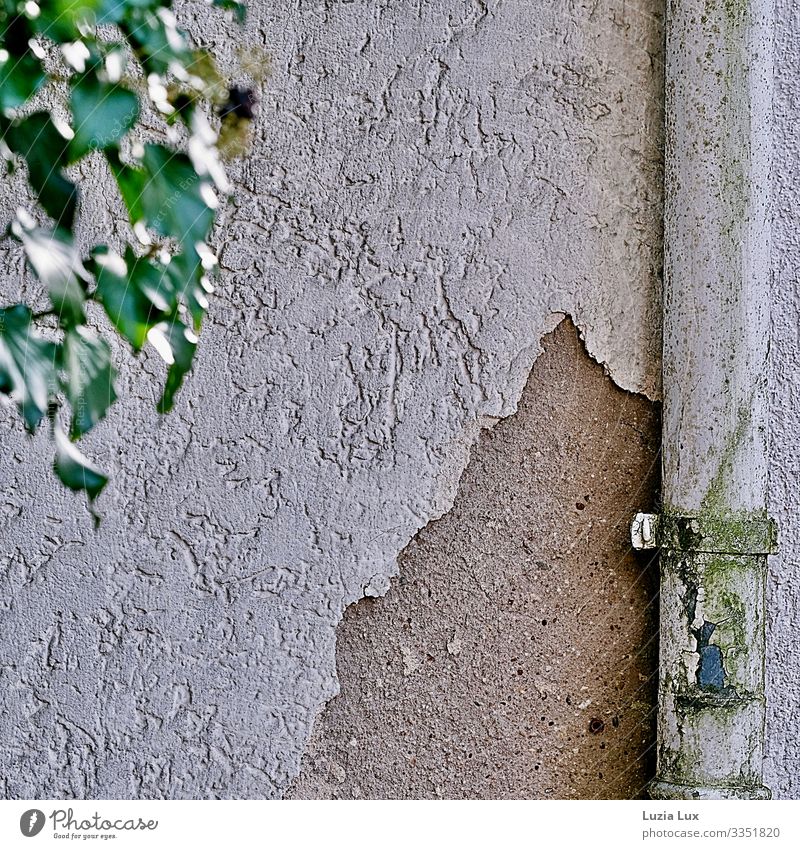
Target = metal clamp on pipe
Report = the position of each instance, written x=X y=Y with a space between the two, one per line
x=704 y=533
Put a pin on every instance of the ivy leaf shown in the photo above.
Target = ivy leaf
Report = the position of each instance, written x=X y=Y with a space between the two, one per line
x=20 y=78
x=65 y=20
x=135 y=293
x=239 y=9
x=189 y=280
x=176 y=344
x=27 y=364
x=89 y=386
x=74 y=470
x=55 y=261
x=15 y=28
x=165 y=193
x=43 y=148
x=101 y=114
x=157 y=41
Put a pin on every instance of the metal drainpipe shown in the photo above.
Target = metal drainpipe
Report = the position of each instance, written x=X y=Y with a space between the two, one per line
x=714 y=534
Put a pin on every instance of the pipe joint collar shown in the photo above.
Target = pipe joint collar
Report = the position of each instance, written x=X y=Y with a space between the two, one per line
x=709 y=532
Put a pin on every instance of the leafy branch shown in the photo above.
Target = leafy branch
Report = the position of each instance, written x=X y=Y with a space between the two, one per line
x=117 y=60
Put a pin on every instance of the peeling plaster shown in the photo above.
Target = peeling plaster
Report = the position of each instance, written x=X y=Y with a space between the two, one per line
x=531 y=623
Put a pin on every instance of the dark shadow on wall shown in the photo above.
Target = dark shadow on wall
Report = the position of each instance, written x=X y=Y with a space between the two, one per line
x=516 y=654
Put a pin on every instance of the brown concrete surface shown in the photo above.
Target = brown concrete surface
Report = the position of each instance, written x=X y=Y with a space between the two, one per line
x=515 y=656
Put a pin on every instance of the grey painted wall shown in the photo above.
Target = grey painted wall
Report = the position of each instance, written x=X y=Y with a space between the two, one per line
x=783 y=635
x=433 y=185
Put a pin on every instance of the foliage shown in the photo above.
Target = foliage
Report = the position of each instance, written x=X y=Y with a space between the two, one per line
x=109 y=63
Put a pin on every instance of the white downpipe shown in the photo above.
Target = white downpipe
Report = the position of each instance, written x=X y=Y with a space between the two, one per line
x=714 y=533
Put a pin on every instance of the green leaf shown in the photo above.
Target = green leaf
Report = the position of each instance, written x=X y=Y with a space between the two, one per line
x=165 y=193
x=27 y=364
x=67 y=20
x=177 y=345
x=74 y=470
x=89 y=384
x=148 y=298
x=15 y=29
x=189 y=281
x=54 y=259
x=135 y=293
x=157 y=42
x=44 y=149
x=20 y=78
x=239 y=9
x=101 y=113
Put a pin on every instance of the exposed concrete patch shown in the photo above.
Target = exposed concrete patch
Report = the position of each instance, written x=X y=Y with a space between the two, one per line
x=515 y=656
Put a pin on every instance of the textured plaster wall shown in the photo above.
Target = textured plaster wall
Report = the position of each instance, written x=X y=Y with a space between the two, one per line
x=433 y=186
x=783 y=588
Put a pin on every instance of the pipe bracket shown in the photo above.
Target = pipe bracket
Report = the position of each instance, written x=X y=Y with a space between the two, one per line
x=710 y=533
x=672 y=790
